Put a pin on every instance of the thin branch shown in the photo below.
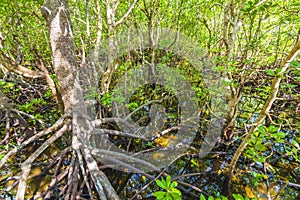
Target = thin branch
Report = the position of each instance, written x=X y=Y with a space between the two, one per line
x=88 y=25
x=193 y=187
x=126 y=14
x=142 y=106
x=99 y=26
x=103 y=154
x=54 y=181
x=294 y=185
x=51 y=84
x=164 y=132
x=57 y=177
x=28 y=115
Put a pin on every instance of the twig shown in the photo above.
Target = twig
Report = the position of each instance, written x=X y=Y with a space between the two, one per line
x=126 y=14
x=193 y=187
x=295 y=185
x=28 y=115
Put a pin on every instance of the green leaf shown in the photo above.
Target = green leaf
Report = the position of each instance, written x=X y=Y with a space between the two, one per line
x=273 y=129
x=260 y=147
x=238 y=197
x=279 y=135
x=261 y=159
x=161 y=184
x=210 y=198
x=194 y=162
x=159 y=194
x=175 y=190
x=202 y=197
x=168 y=181
x=295 y=64
x=169 y=197
x=176 y=194
x=173 y=184
x=261 y=129
x=164 y=184
x=270 y=72
x=296 y=144
x=278 y=70
x=295 y=151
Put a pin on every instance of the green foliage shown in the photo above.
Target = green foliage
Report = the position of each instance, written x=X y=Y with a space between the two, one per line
x=260 y=142
x=220 y=197
x=258 y=177
x=30 y=106
x=48 y=94
x=240 y=197
x=106 y=98
x=268 y=29
x=8 y=87
x=170 y=191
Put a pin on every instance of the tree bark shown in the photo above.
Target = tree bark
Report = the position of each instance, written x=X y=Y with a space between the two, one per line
x=62 y=45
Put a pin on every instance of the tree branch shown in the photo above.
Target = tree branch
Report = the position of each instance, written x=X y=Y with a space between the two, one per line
x=10 y=65
x=126 y=14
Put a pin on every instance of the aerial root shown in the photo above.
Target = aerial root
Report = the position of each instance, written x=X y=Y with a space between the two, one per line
x=26 y=166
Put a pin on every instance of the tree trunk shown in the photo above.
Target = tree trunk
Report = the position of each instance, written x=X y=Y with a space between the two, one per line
x=60 y=28
x=62 y=45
